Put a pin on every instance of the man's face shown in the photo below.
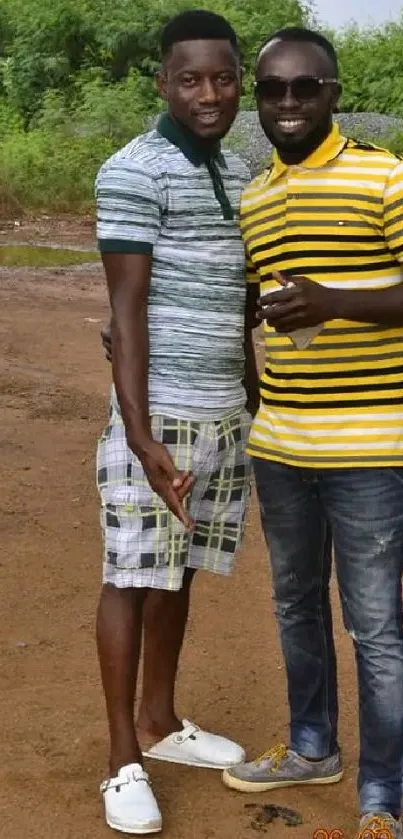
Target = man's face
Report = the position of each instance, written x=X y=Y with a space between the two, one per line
x=294 y=95
x=201 y=82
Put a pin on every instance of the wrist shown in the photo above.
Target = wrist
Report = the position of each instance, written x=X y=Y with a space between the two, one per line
x=139 y=442
x=337 y=304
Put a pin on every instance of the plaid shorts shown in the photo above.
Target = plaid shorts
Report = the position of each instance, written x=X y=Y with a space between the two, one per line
x=145 y=545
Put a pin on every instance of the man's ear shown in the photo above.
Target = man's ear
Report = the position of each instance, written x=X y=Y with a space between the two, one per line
x=161 y=82
x=336 y=94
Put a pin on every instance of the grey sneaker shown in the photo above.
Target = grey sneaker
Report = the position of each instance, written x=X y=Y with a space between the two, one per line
x=381 y=826
x=281 y=767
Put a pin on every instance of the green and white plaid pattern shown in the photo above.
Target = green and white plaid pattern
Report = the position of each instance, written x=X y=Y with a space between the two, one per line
x=144 y=543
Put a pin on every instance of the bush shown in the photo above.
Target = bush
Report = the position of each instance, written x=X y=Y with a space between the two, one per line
x=76 y=82
x=51 y=171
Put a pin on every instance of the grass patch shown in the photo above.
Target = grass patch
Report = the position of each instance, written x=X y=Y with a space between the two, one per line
x=31 y=256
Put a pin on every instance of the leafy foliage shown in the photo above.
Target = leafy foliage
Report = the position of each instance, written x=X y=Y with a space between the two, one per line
x=76 y=81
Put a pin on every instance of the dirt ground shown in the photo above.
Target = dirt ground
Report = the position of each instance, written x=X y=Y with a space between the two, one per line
x=54 y=387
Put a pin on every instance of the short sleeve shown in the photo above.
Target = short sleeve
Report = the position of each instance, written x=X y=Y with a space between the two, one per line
x=393 y=212
x=128 y=206
x=252 y=276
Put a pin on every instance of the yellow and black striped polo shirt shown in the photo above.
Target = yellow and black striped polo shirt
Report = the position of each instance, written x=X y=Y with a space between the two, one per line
x=336 y=218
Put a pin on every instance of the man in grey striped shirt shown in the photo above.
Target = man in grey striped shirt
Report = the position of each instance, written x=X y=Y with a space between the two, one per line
x=172 y=473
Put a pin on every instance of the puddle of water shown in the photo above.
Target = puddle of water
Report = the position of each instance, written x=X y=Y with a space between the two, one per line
x=37 y=256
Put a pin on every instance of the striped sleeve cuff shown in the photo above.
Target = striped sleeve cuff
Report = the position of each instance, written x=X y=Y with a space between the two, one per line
x=124 y=246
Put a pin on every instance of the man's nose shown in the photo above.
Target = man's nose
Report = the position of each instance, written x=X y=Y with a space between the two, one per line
x=208 y=91
x=289 y=101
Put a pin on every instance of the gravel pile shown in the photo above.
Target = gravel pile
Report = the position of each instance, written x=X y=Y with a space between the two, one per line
x=247 y=138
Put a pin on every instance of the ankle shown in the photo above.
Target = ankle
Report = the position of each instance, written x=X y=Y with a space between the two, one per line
x=157 y=725
x=124 y=757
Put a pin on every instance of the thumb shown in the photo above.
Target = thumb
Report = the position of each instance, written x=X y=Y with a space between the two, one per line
x=280 y=278
x=179 y=479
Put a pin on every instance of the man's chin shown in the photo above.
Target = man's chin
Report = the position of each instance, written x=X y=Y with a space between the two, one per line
x=289 y=142
x=213 y=133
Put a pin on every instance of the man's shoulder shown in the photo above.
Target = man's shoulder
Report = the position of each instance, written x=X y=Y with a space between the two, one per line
x=367 y=152
x=254 y=187
x=144 y=154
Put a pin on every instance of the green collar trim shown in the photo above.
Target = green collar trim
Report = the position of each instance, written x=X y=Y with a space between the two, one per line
x=196 y=152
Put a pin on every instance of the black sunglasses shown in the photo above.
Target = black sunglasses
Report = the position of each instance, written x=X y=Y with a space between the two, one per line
x=302 y=88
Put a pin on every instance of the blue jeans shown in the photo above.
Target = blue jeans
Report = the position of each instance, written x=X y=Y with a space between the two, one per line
x=364 y=508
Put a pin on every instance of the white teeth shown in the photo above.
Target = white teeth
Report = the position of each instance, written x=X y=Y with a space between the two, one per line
x=290 y=123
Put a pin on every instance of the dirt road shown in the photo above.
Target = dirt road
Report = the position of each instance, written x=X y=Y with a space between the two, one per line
x=54 y=387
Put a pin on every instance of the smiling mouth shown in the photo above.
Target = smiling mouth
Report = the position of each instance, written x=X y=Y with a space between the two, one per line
x=290 y=125
x=208 y=117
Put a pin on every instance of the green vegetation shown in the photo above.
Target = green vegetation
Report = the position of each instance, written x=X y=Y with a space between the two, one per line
x=36 y=256
x=76 y=82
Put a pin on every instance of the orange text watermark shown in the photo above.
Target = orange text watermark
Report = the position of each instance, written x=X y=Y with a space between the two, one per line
x=368 y=833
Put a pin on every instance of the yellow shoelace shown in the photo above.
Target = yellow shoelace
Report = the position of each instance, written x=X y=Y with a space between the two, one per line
x=276 y=755
x=377 y=826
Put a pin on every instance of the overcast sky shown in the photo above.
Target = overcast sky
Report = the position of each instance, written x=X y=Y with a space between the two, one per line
x=338 y=13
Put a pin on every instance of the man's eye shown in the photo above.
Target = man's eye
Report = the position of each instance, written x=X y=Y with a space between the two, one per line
x=226 y=78
x=188 y=80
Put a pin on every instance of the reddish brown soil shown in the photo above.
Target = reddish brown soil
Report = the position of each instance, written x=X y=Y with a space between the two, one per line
x=54 y=387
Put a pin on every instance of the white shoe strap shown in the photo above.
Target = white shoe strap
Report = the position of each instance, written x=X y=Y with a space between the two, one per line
x=122 y=780
x=187 y=732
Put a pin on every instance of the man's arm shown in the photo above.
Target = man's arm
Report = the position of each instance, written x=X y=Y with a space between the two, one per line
x=128 y=278
x=309 y=303
x=251 y=381
x=130 y=202
x=383 y=306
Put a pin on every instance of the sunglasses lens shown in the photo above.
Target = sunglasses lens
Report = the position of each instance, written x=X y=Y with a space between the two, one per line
x=271 y=90
x=302 y=88
x=305 y=88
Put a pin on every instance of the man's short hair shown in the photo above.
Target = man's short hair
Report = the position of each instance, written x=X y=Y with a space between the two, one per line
x=298 y=34
x=197 y=25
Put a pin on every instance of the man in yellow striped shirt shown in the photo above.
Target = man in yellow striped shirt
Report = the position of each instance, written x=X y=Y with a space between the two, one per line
x=323 y=230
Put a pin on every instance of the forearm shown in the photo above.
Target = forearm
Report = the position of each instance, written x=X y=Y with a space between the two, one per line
x=380 y=306
x=130 y=360
x=251 y=380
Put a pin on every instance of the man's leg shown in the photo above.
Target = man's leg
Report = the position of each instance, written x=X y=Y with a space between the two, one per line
x=130 y=806
x=296 y=533
x=365 y=508
x=300 y=550
x=119 y=629
x=165 y=617
x=217 y=505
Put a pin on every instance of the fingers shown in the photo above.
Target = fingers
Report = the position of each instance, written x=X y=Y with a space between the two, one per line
x=277 y=313
x=171 y=484
x=274 y=297
x=106 y=342
x=186 y=487
x=175 y=505
x=280 y=278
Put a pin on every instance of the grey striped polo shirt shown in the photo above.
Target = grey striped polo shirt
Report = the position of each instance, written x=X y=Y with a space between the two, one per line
x=159 y=195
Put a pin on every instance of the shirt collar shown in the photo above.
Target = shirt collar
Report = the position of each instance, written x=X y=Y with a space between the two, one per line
x=327 y=151
x=194 y=150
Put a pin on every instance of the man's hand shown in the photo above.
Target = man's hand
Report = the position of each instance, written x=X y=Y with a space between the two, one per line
x=107 y=341
x=303 y=304
x=166 y=480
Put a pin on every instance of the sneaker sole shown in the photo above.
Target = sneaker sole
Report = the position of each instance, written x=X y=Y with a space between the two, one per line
x=155 y=827
x=265 y=786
